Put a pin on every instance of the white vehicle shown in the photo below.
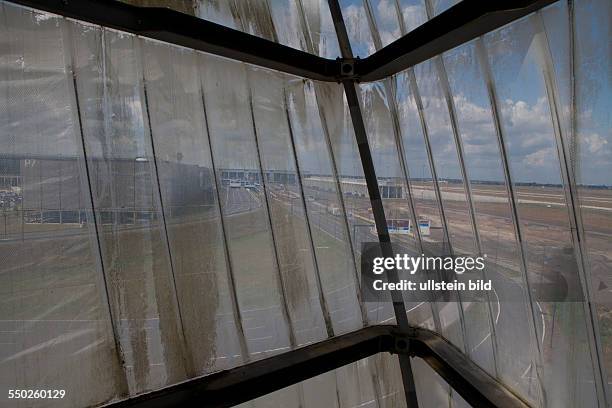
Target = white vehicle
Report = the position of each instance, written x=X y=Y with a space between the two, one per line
x=235 y=184
x=425 y=226
x=333 y=210
x=399 y=226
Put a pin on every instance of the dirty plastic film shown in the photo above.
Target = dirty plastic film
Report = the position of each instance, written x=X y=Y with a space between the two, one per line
x=55 y=321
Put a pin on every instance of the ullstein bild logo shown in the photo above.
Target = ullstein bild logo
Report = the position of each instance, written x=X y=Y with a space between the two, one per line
x=421 y=277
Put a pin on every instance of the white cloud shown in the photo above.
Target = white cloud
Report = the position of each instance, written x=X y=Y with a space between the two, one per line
x=594 y=143
x=540 y=158
x=358 y=29
x=386 y=12
x=414 y=16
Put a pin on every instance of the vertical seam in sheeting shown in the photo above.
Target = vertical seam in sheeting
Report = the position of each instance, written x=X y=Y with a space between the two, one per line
x=573 y=206
x=309 y=44
x=495 y=112
x=324 y=311
x=279 y=273
x=229 y=266
x=372 y=25
x=322 y=302
x=575 y=149
x=310 y=48
x=468 y=191
x=400 y=18
x=406 y=174
x=140 y=64
x=432 y=168
x=336 y=177
x=439 y=64
x=281 y=280
x=273 y=27
x=75 y=105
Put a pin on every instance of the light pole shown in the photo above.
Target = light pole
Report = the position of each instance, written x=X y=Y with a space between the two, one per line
x=355 y=226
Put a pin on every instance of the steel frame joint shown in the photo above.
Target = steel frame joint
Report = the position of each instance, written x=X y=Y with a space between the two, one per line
x=346 y=69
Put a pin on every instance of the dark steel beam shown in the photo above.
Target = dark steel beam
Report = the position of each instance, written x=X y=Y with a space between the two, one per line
x=369 y=172
x=230 y=387
x=244 y=383
x=476 y=387
x=171 y=26
x=455 y=26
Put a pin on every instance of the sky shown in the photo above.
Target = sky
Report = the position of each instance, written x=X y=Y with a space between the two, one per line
x=518 y=56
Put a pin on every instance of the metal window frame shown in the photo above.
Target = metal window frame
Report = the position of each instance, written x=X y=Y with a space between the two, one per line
x=229 y=387
x=455 y=26
x=352 y=98
x=459 y=24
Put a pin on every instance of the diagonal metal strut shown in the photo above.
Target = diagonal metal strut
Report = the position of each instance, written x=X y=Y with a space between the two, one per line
x=455 y=26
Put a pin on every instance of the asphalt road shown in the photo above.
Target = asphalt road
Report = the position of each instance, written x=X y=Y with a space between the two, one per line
x=511 y=318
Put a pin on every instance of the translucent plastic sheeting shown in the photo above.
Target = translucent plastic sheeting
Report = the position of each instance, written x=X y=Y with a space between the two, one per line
x=444 y=134
x=259 y=285
x=413 y=13
x=373 y=24
x=384 y=20
x=383 y=130
x=390 y=177
x=518 y=57
x=292 y=233
x=422 y=187
x=472 y=318
x=354 y=13
x=191 y=208
x=456 y=102
x=191 y=259
x=444 y=151
x=355 y=196
x=132 y=235
x=581 y=65
x=423 y=191
x=374 y=382
x=432 y=390
x=55 y=324
x=448 y=188
x=196 y=166
x=333 y=248
x=479 y=317
x=184 y=6
x=382 y=119
x=510 y=316
x=591 y=128
x=439 y=6
x=301 y=24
